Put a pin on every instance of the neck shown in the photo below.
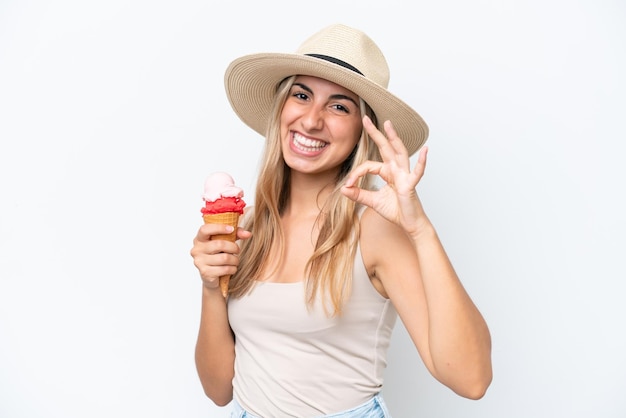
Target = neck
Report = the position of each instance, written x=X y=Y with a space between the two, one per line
x=308 y=193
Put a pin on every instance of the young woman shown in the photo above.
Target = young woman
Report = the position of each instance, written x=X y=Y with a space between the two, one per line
x=326 y=261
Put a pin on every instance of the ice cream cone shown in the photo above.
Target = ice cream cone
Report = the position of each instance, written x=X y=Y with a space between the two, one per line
x=229 y=218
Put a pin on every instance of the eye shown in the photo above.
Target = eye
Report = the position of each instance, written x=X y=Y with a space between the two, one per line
x=299 y=94
x=341 y=108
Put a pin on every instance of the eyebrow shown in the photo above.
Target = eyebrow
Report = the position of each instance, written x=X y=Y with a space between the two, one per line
x=333 y=97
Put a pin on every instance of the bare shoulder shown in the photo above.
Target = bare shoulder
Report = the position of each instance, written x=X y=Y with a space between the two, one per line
x=383 y=245
x=375 y=228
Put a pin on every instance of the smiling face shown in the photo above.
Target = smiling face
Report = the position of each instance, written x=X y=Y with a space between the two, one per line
x=320 y=125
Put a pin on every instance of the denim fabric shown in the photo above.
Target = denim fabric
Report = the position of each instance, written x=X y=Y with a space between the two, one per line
x=374 y=408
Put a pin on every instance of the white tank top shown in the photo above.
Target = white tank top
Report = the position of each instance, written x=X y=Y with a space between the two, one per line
x=292 y=362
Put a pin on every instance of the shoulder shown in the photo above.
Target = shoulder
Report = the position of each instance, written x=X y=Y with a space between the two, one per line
x=372 y=221
x=380 y=240
x=374 y=228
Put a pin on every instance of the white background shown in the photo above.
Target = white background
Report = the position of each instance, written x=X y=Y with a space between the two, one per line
x=113 y=112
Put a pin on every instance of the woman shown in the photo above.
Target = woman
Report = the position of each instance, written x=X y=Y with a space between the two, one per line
x=326 y=262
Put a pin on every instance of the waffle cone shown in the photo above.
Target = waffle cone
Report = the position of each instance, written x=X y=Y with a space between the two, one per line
x=228 y=218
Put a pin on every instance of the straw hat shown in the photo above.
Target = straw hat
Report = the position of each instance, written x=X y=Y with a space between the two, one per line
x=338 y=53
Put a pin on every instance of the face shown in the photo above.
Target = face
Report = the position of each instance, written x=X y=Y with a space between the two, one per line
x=320 y=125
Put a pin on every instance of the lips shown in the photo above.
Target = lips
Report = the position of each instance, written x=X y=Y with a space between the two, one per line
x=307 y=145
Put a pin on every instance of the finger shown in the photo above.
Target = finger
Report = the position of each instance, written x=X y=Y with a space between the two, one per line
x=390 y=145
x=206 y=231
x=368 y=167
x=395 y=141
x=203 y=250
x=210 y=274
x=212 y=266
x=420 y=166
x=243 y=234
x=385 y=150
x=362 y=196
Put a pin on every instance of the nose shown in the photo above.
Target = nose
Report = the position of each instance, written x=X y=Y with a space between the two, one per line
x=313 y=119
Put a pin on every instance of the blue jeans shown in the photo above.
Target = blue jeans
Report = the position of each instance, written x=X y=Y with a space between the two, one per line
x=374 y=408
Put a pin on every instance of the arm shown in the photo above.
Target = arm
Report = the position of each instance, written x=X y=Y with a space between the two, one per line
x=215 y=347
x=449 y=332
x=412 y=266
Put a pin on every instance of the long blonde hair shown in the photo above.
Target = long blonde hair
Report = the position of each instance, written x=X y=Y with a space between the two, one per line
x=329 y=270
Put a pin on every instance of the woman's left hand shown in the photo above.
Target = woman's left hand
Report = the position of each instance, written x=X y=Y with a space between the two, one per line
x=397 y=200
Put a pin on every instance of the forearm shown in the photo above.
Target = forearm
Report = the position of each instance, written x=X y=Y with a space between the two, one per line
x=458 y=338
x=215 y=348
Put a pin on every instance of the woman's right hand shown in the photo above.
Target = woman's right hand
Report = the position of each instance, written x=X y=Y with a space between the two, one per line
x=215 y=347
x=215 y=258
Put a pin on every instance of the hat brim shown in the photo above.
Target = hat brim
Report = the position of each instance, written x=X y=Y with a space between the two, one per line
x=251 y=82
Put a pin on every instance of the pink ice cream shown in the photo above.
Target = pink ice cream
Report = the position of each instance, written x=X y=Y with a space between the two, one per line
x=221 y=194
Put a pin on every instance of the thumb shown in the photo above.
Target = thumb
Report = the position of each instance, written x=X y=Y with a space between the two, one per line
x=351 y=193
x=358 y=195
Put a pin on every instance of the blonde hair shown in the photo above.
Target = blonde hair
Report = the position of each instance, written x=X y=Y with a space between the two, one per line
x=329 y=270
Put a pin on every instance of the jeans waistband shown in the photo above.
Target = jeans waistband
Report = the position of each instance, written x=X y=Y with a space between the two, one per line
x=374 y=408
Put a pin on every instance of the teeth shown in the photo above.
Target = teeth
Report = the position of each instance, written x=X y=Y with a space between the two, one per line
x=307 y=144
